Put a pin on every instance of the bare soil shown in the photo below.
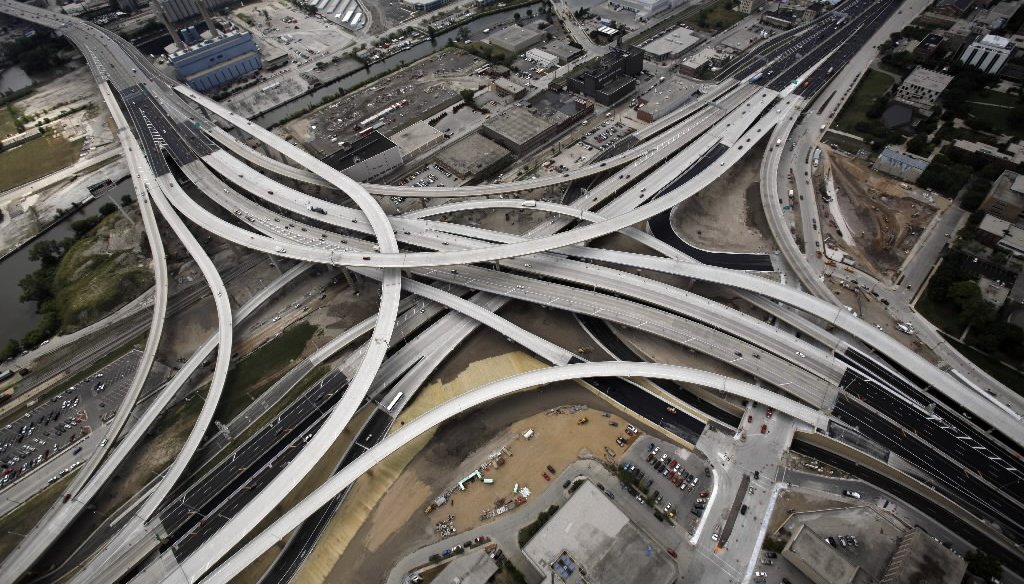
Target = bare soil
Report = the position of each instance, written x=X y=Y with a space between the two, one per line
x=727 y=215
x=886 y=219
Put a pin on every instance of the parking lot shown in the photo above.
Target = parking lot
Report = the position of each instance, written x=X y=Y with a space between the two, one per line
x=672 y=480
x=55 y=424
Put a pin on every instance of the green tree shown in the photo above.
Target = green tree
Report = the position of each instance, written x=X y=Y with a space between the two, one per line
x=37 y=286
x=48 y=252
x=126 y=199
x=967 y=296
x=529 y=13
x=463 y=32
x=919 y=145
x=517 y=17
x=467 y=97
x=107 y=209
x=10 y=349
x=83 y=226
x=983 y=565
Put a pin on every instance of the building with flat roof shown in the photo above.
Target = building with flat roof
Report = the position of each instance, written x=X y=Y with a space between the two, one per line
x=475 y=567
x=371 y=157
x=693 y=65
x=612 y=78
x=666 y=97
x=921 y=89
x=517 y=129
x=988 y=53
x=516 y=39
x=928 y=46
x=563 y=50
x=671 y=45
x=1005 y=199
x=474 y=157
x=919 y=559
x=416 y=139
x=542 y=57
x=505 y=86
x=954 y=8
x=900 y=164
x=590 y=539
x=179 y=10
x=820 y=562
x=218 y=61
x=645 y=8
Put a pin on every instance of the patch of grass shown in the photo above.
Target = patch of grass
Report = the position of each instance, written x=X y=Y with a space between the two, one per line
x=997 y=98
x=18 y=522
x=715 y=16
x=37 y=158
x=251 y=375
x=90 y=285
x=843 y=142
x=996 y=117
x=944 y=316
x=7 y=125
x=1007 y=376
x=873 y=85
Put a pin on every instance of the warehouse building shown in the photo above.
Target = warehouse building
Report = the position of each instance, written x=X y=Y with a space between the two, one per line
x=179 y=10
x=666 y=97
x=508 y=87
x=416 y=139
x=474 y=157
x=820 y=562
x=542 y=57
x=1005 y=199
x=217 y=62
x=368 y=158
x=644 y=8
x=902 y=165
x=670 y=46
x=518 y=129
x=563 y=50
x=516 y=39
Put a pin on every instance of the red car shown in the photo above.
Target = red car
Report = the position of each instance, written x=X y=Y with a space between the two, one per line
x=750 y=419
x=764 y=428
x=672 y=552
x=546 y=477
x=770 y=412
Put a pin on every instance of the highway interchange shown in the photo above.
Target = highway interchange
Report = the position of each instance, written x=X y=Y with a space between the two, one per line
x=180 y=144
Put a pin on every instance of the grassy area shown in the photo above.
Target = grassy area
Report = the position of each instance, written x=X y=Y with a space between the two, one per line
x=997 y=98
x=18 y=522
x=716 y=16
x=944 y=316
x=874 y=84
x=249 y=377
x=996 y=117
x=7 y=125
x=90 y=284
x=35 y=159
x=1007 y=376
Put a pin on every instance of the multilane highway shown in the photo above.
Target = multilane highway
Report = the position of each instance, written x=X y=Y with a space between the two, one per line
x=170 y=139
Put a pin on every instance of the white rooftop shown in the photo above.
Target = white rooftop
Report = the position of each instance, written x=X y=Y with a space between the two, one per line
x=996 y=41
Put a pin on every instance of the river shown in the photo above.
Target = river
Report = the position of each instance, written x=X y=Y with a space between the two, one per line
x=13 y=79
x=22 y=317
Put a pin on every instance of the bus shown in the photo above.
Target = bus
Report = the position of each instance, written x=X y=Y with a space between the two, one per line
x=395 y=401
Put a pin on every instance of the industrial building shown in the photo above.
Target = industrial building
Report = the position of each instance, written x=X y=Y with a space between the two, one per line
x=928 y=46
x=347 y=13
x=644 y=8
x=368 y=158
x=517 y=129
x=416 y=139
x=216 y=62
x=921 y=89
x=590 y=539
x=612 y=79
x=474 y=157
x=1005 y=199
x=988 y=53
x=695 y=64
x=516 y=39
x=506 y=86
x=666 y=97
x=900 y=164
x=563 y=50
x=542 y=57
x=997 y=233
x=670 y=46
x=475 y=567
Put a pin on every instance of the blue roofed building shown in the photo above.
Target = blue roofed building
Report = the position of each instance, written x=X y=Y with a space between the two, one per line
x=900 y=164
x=216 y=62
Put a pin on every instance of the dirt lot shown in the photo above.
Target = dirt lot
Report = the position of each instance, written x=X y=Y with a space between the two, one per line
x=429 y=85
x=886 y=219
x=727 y=215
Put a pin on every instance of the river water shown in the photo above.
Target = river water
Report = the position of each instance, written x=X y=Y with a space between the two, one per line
x=19 y=318
x=13 y=79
